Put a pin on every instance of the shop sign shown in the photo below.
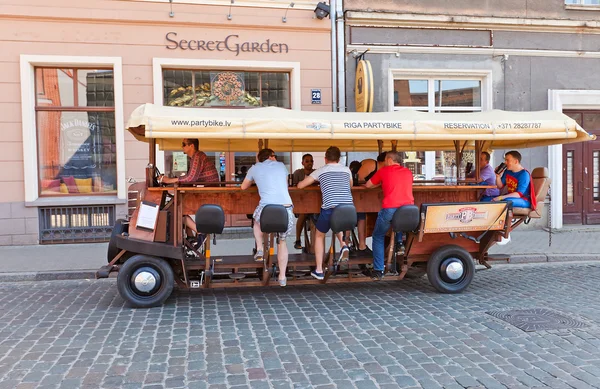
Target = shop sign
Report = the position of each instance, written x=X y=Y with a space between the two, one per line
x=77 y=138
x=231 y=43
x=363 y=87
x=465 y=217
x=316 y=96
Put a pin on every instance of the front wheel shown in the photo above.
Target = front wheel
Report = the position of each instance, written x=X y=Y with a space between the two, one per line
x=450 y=269
x=145 y=281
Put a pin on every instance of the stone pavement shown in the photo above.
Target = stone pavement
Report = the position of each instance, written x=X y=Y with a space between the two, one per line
x=79 y=334
x=76 y=261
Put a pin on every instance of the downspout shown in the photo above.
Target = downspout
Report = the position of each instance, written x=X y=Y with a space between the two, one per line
x=334 y=99
x=341 y=55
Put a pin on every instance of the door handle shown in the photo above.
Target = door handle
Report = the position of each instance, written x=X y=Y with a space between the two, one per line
x=585 y=170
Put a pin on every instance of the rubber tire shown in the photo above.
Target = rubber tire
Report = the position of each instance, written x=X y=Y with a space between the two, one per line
x=435 y=262
x=120 y=227
x=140 y=301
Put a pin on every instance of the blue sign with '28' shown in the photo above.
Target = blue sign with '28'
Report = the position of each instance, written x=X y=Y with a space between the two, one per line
x=316 y=96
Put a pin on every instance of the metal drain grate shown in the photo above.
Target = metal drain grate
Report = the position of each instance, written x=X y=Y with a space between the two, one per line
x=536 y=319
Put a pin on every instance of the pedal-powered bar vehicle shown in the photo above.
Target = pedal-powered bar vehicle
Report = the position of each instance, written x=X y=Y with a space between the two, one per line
x=447 y=230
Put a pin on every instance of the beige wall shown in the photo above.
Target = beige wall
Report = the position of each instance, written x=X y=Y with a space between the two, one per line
x=135 y=32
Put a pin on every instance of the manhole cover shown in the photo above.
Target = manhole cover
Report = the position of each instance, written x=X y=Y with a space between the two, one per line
x=536 y=319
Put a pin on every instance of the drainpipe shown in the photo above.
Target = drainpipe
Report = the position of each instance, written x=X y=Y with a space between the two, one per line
x=341 y=55
x=334 y=100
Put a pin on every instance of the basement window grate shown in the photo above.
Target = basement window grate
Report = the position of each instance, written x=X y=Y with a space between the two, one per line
x=76 y=224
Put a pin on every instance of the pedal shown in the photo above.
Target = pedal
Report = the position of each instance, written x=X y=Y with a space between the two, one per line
x=237 y=276
x=104 y=271
x=194 y=284
x=298 y=273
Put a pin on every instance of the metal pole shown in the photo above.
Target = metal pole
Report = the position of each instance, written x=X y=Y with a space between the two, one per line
x=334 y=91
x=341 y=55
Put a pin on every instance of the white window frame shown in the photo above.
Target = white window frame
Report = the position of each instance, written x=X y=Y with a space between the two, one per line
x=158 y=64
x=580 y=2
x=484 y=76
x=30 y=151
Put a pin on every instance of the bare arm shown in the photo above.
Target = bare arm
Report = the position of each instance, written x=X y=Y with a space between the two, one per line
x=307 y=181
x=246 y=184
x=499 y=183
x=370 y=184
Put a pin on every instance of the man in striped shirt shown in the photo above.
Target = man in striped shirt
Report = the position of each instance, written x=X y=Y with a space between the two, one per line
x=335 y=180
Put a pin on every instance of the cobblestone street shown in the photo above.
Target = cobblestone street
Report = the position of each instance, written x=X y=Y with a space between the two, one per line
x=77 y=334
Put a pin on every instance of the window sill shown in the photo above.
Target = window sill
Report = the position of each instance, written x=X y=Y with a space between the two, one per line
x=582 y=7
x=72 y=200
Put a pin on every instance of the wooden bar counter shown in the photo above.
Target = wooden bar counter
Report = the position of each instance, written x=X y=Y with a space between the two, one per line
x=308 y=200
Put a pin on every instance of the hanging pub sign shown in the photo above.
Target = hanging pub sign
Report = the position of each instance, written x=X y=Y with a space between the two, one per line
x=363 y=87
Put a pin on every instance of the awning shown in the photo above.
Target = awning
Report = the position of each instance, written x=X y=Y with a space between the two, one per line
x=288 y=130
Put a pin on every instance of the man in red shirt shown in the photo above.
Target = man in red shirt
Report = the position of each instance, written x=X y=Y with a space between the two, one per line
x=396 y=182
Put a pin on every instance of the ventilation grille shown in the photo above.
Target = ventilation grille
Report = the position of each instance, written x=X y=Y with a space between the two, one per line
x=76 y=224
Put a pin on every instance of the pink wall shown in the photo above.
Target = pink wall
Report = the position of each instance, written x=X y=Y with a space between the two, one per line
x=135 y=31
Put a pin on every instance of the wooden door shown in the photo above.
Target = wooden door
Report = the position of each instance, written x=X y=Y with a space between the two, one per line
x=591 y=170
x=581 y=173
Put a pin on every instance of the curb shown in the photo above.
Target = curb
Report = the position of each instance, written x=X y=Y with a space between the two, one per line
x=61 y=275
x=555 y=257
x=50 y=275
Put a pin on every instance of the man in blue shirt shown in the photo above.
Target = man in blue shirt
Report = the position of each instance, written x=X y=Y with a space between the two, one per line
x=517 y=181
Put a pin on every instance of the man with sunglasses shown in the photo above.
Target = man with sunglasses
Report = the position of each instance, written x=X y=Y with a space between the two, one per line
x=201 y=169
x=299 y=175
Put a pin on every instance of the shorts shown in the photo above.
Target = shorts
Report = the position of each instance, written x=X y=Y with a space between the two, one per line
x=323 y=223
x=361 y=216
x=290 y=226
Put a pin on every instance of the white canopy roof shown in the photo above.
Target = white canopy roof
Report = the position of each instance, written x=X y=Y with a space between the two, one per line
x=288 y=130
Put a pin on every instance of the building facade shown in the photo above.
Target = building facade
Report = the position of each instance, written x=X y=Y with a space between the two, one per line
x=72 y=72
x=468 y=56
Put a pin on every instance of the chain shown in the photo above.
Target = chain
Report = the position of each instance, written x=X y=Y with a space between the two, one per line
x=549 y=218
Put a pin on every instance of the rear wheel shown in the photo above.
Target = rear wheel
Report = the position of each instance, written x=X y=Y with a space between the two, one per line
x=145 y=281
x=450 y=269
x=120 y=227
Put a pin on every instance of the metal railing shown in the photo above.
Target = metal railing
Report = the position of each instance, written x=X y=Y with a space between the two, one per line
x=83 y=224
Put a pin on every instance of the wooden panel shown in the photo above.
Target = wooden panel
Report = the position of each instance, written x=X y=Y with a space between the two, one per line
x=237 y=202
x=432 y=242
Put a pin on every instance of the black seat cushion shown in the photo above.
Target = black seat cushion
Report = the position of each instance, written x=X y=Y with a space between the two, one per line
x=406 y=219
x=210 y=219
x=274 y=218
x=343 y=218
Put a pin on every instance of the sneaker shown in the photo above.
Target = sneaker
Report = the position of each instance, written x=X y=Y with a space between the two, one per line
x=283 y=282
x=344 y=254
x=377 y=275
x=258 y=257
x=366 y=252
x=298 y=245
x=318 y=276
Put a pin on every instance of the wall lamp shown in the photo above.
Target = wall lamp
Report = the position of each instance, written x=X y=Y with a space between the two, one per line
x=229 y=14
x=284 y=18
x=322 y=10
